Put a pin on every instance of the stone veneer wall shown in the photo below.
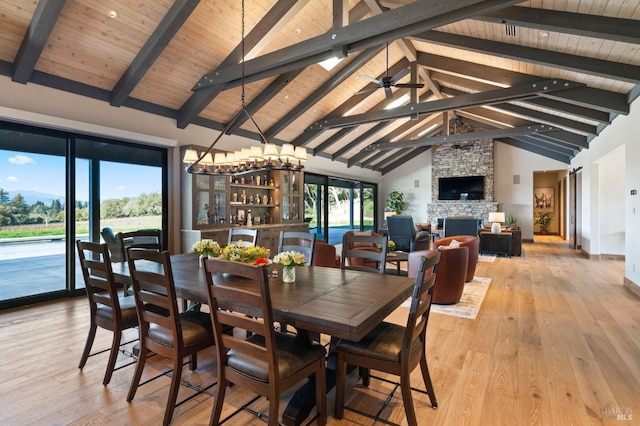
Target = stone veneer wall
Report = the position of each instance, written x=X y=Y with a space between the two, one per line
x=469 y=159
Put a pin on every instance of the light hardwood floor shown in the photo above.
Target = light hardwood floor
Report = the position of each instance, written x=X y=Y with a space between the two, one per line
x=556 y=342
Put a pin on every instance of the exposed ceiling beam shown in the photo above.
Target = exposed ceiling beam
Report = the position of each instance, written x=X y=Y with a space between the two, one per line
x=265 y=96
x=305 y=137
x=153 y=47
x=463 y=101
x=464 y=137
x=407 y=20
x=580 y=64
x=536 y=149
x=335 y=80
x=616 y=29
x=403 y=159
x=364 y=136
x=538 y=116
x=269 y=24
x=42 y=23
x=600 y=100
x=454 y=81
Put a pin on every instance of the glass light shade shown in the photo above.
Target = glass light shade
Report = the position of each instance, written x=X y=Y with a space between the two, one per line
x=207 y=160
x=301 y=153
x=220 y=159
x=287 y=153
x=255 y=153
x=190 y=156
x=271 y=152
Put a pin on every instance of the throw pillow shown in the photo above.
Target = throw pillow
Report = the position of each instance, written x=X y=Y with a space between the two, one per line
x=361 y=234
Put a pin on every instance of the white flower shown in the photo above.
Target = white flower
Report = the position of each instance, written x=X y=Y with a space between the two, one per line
x=206 y=248
x=290 y=258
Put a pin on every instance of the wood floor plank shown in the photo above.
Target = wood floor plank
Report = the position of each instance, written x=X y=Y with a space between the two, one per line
x=556 y=342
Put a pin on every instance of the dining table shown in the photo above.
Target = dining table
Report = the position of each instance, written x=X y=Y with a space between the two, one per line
x=341 y=303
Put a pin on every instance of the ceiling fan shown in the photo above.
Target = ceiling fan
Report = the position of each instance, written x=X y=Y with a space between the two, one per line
x=387 y=82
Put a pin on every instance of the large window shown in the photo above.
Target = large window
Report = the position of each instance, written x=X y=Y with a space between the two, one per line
x=334 y=206
x=56 y=187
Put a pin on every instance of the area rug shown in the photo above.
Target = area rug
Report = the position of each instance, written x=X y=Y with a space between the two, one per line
x=487 y=257
x=470 y=302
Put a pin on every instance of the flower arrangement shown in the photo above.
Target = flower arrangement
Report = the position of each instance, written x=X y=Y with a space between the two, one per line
x=245 y=253
x=391 y=245
x=290 y=258
x=206 y=248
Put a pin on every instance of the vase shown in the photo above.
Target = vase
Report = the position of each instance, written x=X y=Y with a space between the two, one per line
x=288 y=274
x=201 y=261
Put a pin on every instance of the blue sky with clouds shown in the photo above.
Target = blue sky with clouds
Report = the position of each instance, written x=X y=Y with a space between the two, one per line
x=21 y=171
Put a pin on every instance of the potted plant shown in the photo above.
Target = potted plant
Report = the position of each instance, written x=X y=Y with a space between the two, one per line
x=511 y=219
x=544 y=220
x=395 y=202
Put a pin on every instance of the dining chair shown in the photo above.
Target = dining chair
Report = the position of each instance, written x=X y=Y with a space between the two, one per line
x=163 y=330
x=110 y=308
x=148 y=239
x=393 y=349
x=303 y=242
x=364 y=252
x=267 y=362
x=242 y=234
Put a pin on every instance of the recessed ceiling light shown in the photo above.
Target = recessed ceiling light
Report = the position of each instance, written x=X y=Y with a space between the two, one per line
x=297 y=31
x=544 y=34
x=113 y=14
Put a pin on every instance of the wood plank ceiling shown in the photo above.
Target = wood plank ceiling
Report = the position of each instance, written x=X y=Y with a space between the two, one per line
x=542 y=76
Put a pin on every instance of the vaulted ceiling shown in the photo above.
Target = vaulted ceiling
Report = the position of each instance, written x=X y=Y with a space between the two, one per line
x=542 y=76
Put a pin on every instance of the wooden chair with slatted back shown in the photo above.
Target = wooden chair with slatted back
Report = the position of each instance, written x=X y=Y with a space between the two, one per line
x=110 y=309
x=247 y=236
x=148 y=239
x=392 y=348
x=163 y=329
x=303 y=242
x=267 y=362
x=361 y=252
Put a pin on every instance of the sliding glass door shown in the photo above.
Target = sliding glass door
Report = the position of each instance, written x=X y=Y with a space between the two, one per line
x=334 y=206
x=56 y=187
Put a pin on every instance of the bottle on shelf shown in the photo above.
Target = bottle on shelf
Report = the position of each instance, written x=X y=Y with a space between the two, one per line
x=249 y=218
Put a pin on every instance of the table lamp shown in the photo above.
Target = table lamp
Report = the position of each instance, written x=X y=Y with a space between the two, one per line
x=496 y=218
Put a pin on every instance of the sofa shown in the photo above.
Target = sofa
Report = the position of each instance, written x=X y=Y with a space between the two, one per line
x=474 y=250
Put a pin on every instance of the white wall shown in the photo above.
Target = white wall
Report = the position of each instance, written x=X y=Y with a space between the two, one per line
x=597 y=166
x=414 y=179
x=611 y=187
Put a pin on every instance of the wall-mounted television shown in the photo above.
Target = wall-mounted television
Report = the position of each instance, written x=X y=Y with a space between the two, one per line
x=461 y=188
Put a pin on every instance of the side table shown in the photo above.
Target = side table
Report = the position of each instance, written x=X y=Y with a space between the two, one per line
x=491 y=243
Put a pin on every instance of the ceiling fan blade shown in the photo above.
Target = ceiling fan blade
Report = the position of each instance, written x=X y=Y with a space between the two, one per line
x=363 y=91
x=371 y=79
x=400 y=74
x=411 y=85
x=388 y=92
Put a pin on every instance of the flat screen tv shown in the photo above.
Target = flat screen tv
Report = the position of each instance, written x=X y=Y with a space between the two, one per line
x=461 y=188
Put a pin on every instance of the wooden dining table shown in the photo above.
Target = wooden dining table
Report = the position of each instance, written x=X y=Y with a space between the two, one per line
x=341 y=303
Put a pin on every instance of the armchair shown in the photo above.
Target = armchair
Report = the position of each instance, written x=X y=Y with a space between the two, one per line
x=402 y=231
x=466 y=241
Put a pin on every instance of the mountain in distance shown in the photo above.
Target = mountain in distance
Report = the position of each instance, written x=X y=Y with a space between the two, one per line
x=31 y=197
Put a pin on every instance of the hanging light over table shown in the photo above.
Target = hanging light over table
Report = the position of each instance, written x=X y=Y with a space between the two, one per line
x=246 y=160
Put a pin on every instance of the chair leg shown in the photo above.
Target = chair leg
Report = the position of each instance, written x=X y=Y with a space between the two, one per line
x=193 y=362
x=426 y=377
x=321 y=393
x=217 y=408
x=173 y=390
x=341 y=373
x=274 y=404
x=405 y=386
x=366 y=376
x=113 y=356
x=142 y=360
x=89 y=343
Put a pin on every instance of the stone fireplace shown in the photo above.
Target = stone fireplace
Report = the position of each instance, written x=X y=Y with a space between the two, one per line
x=462 y=159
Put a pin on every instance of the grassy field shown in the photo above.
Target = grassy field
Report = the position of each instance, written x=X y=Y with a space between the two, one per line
x=82 y=227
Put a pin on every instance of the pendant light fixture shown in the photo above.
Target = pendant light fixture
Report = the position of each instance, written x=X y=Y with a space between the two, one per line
x=260 y=157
